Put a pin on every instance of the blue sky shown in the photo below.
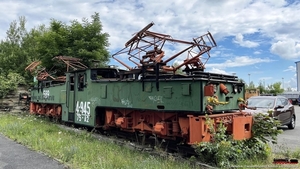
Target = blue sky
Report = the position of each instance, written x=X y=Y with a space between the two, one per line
x=256 y=37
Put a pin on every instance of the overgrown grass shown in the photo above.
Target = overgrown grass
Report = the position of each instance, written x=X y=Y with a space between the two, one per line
x=77 y=149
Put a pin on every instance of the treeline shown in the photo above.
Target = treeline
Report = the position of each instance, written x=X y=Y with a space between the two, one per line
x=274 y=88
x=83 y=39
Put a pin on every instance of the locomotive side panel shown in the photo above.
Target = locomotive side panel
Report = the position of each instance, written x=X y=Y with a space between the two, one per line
x=176 y=95
x=170 y=97
x=48 y=99
x=48 y=94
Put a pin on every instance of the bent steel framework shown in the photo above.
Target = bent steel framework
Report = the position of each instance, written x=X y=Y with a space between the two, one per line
x=145 y=49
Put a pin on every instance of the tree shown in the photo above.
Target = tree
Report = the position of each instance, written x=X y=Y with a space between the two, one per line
x=180 y=70
x=9 y=83
x=11 y=58
x=30 y=45
x=11 y=54
x=275 y=88
x=261 y=87
x=81 y=40
x=251 y=85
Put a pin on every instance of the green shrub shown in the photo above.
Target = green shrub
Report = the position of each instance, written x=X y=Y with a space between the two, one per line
x=9 y=83
x=223 y=151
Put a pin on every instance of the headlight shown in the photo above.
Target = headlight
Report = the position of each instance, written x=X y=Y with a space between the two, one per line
x=235 y=88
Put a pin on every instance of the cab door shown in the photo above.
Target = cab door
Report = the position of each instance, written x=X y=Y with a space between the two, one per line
x=71 y=97
x=69 y=108
x=77 y=97
x=82 y=105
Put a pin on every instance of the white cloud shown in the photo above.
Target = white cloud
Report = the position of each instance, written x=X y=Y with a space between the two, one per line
x=239 y=39
x=220 y=71
x=257 y=52
x=239 y=61
x=290 y=68
x=288 y=49
x=292 y=84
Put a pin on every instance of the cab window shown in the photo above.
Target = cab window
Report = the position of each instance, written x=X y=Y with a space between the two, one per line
x=81 y=80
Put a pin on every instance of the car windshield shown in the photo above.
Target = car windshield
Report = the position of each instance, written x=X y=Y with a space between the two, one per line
x=261 y=102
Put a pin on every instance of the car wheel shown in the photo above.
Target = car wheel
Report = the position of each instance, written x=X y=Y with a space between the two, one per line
x=292 y=123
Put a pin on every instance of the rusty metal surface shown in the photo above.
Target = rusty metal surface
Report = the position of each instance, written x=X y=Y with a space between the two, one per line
x=145 y=49
x=71 y=62
x=40 y=72
x=31 y=67
x=42 y=75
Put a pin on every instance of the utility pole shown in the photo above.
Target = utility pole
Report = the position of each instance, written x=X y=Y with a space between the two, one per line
x=283 y=83
x=249 y=80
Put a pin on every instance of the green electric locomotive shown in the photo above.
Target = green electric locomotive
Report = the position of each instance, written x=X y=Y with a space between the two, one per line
x=151 y=98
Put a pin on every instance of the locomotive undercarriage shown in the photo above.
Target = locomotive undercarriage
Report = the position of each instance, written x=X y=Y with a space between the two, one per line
x=50 y=110
x=163 y=125
x=172 y=131
x=184 y=127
